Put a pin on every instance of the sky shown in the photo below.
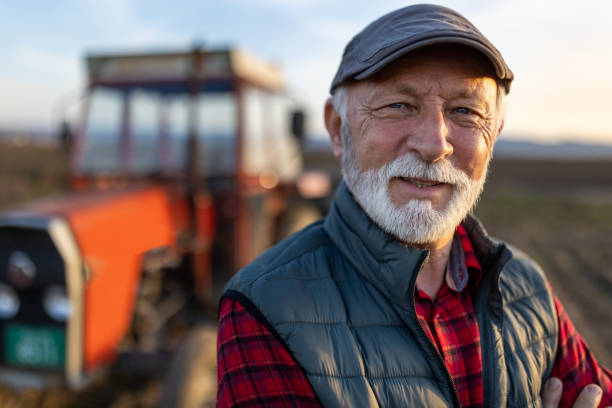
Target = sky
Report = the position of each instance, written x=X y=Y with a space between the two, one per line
x=560 y=52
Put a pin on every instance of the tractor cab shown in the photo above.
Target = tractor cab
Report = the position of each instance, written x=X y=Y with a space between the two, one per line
x=185 y=166
x=220 y=114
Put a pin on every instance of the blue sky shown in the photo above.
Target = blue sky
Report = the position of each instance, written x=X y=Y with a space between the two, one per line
x=559 y=51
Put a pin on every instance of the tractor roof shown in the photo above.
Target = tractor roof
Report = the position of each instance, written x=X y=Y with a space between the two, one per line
x=198 y=64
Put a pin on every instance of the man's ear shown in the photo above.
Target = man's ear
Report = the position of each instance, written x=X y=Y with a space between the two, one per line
x=333 y=124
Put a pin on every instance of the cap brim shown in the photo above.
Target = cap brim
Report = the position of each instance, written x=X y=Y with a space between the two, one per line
x=500 y=70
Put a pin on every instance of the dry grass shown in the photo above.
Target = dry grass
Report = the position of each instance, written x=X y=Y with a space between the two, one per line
x=30 y=171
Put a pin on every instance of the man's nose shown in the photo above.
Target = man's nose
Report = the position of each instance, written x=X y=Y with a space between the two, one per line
x=430 y=139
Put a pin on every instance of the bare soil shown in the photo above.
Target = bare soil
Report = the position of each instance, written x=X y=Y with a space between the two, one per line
x=558 y=212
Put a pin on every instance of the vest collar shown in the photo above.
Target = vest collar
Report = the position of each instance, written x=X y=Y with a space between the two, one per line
x=386 y=263
x=378 y=258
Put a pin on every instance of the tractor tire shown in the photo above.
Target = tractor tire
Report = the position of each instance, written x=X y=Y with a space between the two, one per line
x=192 y=377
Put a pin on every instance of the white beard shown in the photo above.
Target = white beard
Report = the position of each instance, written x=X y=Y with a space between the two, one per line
x=417 y=221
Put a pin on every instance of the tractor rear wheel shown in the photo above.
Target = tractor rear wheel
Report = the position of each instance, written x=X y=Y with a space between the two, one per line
x=192 y=378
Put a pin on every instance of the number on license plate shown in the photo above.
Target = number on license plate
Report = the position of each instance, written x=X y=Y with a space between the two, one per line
x=41 y=347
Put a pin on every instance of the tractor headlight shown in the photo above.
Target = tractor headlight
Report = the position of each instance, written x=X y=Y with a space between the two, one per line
x=9 y=302
x=56 y=303
x=20 y=270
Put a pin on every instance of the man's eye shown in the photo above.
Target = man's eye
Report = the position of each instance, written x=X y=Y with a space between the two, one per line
x=463 y=111
x=397 y=110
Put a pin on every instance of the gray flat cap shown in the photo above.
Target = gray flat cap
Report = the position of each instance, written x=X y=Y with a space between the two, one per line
x=401 y=31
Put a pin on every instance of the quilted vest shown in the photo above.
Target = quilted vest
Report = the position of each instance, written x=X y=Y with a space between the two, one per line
x=340 y=296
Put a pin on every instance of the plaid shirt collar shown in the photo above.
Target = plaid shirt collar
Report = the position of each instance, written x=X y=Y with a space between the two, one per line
x=463 y=268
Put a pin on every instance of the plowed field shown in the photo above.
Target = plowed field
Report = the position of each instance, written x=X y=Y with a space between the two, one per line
x=560 y=213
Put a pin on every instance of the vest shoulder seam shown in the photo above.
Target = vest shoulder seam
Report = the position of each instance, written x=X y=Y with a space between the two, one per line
x=268 y=271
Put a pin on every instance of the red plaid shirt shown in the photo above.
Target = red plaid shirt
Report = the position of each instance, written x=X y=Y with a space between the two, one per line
x=255 y=368
x=450 y=323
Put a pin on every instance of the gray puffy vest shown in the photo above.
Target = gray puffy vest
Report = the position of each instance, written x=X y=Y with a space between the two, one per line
x=340 y=296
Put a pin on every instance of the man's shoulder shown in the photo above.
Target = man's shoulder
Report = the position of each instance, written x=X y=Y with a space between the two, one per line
x=516 y=265
x=296 y=257
x=522 y=275
x=521 y=262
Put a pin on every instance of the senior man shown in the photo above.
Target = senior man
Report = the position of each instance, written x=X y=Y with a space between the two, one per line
x=398 y=297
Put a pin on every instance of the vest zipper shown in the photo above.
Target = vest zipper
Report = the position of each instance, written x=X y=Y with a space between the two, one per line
x=487 y=369
x=426 y=341
x=497 y=261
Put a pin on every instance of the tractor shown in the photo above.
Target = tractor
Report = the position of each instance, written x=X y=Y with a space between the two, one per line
x=183 y=168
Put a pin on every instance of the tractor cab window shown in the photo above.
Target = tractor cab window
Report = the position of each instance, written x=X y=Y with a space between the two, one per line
x=145 y=130
x=103 y=130
x=217 y=127
x=268 y=142
x=175 y=151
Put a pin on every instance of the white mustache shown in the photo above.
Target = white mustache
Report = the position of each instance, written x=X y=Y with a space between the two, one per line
x=410 y=166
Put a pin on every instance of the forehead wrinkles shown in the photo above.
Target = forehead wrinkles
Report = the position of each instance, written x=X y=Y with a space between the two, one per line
x=445 y=78
x=444 y=85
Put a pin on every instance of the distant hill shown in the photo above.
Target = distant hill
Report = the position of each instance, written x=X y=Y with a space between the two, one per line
x=504 y=148
x=27 y=136
x=518 y=149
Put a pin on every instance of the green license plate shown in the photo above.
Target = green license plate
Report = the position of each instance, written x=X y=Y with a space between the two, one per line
x=31 y=346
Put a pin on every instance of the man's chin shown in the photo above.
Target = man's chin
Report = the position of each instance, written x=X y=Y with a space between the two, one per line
x=415 y=223
x=421 y=221
x=431 y=209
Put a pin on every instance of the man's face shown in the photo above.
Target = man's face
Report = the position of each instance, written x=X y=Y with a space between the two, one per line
x=422 y=133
